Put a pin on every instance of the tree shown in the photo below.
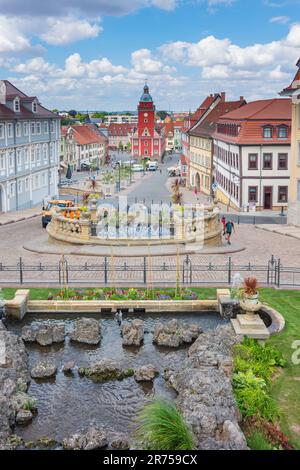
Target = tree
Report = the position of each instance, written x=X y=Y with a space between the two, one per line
x=162 y=114
x=100 y=115
x=55 y=111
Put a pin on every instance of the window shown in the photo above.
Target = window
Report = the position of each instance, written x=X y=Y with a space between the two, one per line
x=252 y=194
x=26 y=156
x=27 y=184
x=9 y=130
x=2 y=161
x=17 y=105
x=282 y=132
x=33 y=128
x=25 y=128
x=19 y=186
x=32 y=155
x=267 y=161
x=252 y=161
x=18 y=129
x=12 y=189
x=268 y=132
x=38 y=127
x=34 y=107
x=45 y=151
x=298 y=190
x=282 y=161
x=38 y=153
x=46 y=127
x=19 y=158
x=146 y=143
x=282 y=193
x=11 y=159
x=1 y=131
x=52 y=126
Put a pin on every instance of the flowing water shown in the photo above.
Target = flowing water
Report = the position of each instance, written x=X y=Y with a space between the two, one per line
x=69 y=403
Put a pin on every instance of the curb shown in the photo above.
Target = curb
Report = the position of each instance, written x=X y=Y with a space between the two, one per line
x=13 y=221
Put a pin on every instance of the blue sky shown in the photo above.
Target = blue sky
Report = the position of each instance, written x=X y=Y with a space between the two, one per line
x=96 y=54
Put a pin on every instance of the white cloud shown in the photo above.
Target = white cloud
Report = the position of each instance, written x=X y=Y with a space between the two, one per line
x=280 y=19
x=69 y=29
x=12 y=39
x=144 y=63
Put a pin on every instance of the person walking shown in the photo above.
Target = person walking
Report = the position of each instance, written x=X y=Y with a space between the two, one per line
x=229 y=229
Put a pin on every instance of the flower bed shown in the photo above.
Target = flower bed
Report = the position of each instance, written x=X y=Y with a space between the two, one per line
x=123 y=294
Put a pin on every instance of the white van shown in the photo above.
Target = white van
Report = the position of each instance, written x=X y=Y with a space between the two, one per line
x=152 y=166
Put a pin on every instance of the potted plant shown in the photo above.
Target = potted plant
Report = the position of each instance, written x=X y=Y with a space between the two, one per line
x=250 y=290
x=85 y=213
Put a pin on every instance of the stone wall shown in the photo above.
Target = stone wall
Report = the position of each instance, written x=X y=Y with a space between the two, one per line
x=205 y=395
x=14 y=380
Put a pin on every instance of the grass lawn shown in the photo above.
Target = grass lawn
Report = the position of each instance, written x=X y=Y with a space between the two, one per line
x=286 y=387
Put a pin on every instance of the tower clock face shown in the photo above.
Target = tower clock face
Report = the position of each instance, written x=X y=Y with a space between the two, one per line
x=145 y=114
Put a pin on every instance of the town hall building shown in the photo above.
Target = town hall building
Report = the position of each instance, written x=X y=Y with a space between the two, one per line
x=148 y=140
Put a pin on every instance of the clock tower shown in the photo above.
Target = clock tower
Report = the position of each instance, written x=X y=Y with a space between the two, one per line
x=147 y=142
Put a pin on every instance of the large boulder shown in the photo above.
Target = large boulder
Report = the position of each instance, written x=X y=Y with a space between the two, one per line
x=43 y=370
x=86 y=330
x=145 y=373
x=173 y=334
x=205 y=395
x=120 y=442
x=133 y=333
x=94 y=438
x=44 y=334
x=106 y=369
x=23 y=401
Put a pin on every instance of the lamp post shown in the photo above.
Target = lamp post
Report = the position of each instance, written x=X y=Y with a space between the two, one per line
x=119 y=174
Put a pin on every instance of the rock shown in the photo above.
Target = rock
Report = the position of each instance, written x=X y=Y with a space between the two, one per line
x=106 y=369
x=44 y=334
x=94 y=438
x=86 y=330
x=173 y=334
x=13 y=371
x=23 y=401
x=68 y=367
x=145 y=373
x=28 y=334
x=24 y=417
x=120 y=442
x=43 y=370
x=133 y=333
x=205 y=395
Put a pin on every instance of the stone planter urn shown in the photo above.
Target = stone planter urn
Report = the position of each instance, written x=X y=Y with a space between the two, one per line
x=250 y=308
x=251 y=299
x=86 y=215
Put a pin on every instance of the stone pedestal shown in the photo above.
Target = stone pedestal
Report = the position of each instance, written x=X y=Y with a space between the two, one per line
x=250 y=324
x=17 y=307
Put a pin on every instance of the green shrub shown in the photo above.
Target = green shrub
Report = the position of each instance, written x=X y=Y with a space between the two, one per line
x=257 y=441
x=160 y=426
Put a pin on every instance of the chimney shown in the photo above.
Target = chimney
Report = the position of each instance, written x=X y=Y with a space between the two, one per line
x=223 y=96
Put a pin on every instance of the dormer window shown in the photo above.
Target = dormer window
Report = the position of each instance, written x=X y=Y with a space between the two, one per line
x=282 y=132
x=34 y=107
x=268 y=132
x=17 y=105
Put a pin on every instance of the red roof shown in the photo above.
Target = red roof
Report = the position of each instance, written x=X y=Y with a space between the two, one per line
x=84 y=135
x=209 y=124
x=120 y=129
x=249 y=120
x=293 y=86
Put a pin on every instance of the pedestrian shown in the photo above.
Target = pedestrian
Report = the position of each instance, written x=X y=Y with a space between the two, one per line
x=229 y=229
x=119 y=317
x=223 y=222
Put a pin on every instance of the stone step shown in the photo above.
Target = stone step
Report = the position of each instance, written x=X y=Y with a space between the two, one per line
x=260 y=334
x=256 y=322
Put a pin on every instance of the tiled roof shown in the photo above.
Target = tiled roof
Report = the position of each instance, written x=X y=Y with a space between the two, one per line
x=208 y=125
x=293 y=86
x=84 y=135
x=251 y=118
x=120 y=129
x=24 y=113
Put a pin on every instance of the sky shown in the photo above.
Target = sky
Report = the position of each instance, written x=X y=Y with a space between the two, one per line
x=96 y=54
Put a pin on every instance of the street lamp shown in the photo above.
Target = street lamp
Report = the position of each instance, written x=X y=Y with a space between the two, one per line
x=119 y=173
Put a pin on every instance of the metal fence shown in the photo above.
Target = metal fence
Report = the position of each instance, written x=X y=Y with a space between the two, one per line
x=146 y=271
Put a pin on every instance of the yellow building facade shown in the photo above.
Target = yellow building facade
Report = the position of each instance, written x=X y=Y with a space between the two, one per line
x=200 y=152
x=294 y=189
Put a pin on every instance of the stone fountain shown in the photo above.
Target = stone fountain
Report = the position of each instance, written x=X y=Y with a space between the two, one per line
x=249 y=323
